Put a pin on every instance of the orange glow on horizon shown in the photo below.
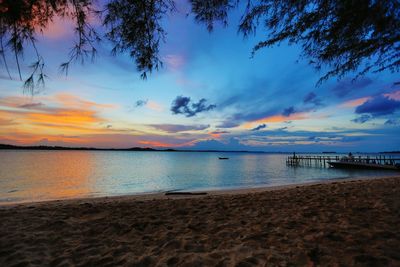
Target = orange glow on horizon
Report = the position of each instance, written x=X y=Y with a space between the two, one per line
x=215 y=135
x=275 y=119
x=61 y=118
x=24 y=138
x=165 y=145
x=80 y=117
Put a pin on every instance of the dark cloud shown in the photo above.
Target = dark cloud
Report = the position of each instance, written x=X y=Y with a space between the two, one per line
x=228 y=124
x=239 y=118
x=392 y=122
x=345 y=87
x=379 y=106
x=109 y=126
x=259 y=127
x=228 y=145
x=141 y=103
x=256 y=98
x=362 y=119
x=311 y=98
x=288 y=111
x=316 y=139
x=175 y=128
x=31 y=105
x=252 y=116
x=182 y=105
x=351 y=139
x=201 y=106
x=304 y=141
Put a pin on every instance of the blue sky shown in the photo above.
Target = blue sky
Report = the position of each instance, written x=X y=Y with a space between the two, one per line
x=210 y=94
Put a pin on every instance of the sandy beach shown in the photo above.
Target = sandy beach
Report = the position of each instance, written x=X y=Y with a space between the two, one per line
x=340 y=223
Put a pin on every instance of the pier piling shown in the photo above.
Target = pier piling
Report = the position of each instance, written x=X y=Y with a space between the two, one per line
x=322 y=161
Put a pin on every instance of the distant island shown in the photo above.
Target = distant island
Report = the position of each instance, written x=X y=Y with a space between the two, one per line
x=41 y=147
x=4 y=146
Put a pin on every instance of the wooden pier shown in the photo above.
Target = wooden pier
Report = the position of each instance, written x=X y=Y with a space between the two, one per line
x=322 y=161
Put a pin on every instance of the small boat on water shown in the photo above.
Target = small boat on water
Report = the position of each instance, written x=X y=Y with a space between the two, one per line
x=222 y=158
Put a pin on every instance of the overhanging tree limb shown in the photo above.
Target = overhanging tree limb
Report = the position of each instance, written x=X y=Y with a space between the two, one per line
x=347 y=36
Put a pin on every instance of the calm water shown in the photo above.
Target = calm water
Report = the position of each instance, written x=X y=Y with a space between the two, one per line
x=44 y=175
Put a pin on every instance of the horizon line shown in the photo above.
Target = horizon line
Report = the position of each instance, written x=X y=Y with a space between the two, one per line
x=47 y=147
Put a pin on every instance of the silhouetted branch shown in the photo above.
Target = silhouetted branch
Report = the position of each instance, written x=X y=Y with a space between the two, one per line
x=135 y=27
x=17 y=48
x=345 y=36
x=87 y=36
x=37 y=69
x=210 y=11
x=3 y=55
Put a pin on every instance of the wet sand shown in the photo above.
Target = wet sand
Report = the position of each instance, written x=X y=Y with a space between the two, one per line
x=346 y=223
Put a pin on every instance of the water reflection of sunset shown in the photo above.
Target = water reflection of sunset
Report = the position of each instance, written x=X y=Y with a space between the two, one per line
x=48 y=175
x=45 y=175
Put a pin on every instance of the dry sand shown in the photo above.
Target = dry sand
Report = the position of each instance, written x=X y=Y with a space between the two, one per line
x=350 y=223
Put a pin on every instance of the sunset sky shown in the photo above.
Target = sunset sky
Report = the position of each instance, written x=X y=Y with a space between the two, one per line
x=210 y=94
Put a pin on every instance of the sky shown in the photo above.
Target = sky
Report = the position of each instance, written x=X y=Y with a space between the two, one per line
x=210 y=94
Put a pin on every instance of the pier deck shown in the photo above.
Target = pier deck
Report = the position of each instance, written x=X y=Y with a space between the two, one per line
x=322 y=161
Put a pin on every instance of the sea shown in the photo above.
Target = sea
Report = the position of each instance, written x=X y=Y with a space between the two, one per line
x=30 y=176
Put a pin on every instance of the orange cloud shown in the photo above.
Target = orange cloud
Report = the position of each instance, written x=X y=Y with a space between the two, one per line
x=217 y=134
x=72 y=101
x=355 y=102
x=165 y=145
x=65 y=100
x=67 y=120
x=22 y=137
x=154 y=106
x=50 y=118
x=74 y=117
x=395 y=95
x=17 y=102
x=6 y=122
x=276 y=119
x=156 y=144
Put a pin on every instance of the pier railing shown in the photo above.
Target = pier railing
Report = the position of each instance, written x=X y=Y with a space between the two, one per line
x=322 y=161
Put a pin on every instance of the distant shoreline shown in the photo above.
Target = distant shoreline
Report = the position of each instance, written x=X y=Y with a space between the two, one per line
x=4 y=147
x=10 y=147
